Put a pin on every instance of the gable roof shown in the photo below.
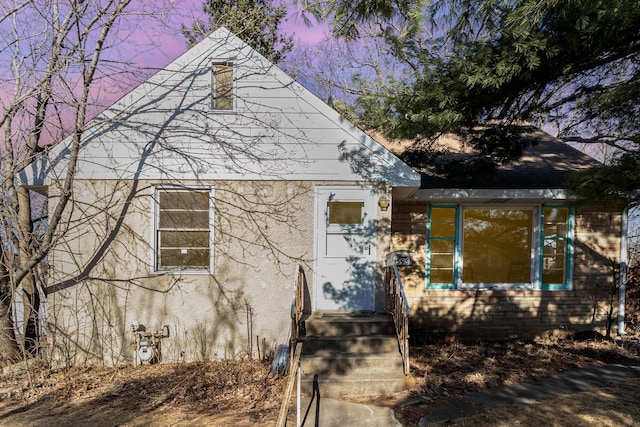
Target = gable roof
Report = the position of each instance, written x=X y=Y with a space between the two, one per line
x=165 y=129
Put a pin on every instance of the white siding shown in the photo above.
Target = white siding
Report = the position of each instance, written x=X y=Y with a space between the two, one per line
x=165 y=128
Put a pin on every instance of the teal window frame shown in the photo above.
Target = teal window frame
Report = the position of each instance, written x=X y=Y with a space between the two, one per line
x=537 y=276
x=568 y=248
x=456 y=246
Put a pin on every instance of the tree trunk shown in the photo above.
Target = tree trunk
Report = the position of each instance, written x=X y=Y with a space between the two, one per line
x=31 y=303
x=9 y=352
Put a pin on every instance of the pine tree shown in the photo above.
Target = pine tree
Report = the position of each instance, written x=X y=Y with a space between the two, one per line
x=257 y=22
x=571 y=66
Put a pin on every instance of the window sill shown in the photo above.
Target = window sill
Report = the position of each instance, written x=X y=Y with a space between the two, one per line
x=215 y=111
x=498 y=287
x=174 y=271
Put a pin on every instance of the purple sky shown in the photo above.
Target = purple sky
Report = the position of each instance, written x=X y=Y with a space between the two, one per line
x=146 y=35
x=150 y=43
x=147 y=43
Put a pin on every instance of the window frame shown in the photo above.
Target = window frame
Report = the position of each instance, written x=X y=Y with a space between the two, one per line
x=536 y=249
x=155 y=262
x=568 y=253
x=456 y=249
x=214 y=80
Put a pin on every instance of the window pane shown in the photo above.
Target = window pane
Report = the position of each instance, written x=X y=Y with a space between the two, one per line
x=184 y=258
x=442 y=261
x=441 y=277
x=191 y=200
x=442 y=247
x=184 y=239
x=497 y=245
x=345 y=212
x=223 y=89
x=443 y=215
x=184 y=219
x=556 y=222
x=443 y=230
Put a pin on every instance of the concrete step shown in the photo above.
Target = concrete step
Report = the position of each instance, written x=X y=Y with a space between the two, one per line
x=374 y=344
x=356 y=364
x=352 y=355
x=332 y=386
x=322 y=325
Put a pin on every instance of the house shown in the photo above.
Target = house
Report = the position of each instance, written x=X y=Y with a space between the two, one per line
x=201 y=193
x=196 y=197
x=509 y=255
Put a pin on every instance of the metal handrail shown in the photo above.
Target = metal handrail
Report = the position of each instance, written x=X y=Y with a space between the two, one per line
x=396 y=303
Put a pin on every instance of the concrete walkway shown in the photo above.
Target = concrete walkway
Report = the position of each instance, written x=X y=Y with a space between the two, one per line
x=572 y=381
x=339 y=413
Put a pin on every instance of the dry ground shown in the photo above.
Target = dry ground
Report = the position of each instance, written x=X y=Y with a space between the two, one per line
x=443 y=373
x=244 y=393
x=225 y=393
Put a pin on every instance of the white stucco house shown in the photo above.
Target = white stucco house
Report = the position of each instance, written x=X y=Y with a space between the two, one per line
x=198 y=194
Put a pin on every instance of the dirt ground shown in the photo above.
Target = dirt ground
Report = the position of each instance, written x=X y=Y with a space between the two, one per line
x=443 y=373
x=225 y=393
x=245 y=393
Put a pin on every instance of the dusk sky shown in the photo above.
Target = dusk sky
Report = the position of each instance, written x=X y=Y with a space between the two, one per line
x=150 y=41
x=148 y=38
x=154 y=43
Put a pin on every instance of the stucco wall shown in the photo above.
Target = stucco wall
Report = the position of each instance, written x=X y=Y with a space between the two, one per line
x=504 y=314
x=102 y=279
x=101 y=276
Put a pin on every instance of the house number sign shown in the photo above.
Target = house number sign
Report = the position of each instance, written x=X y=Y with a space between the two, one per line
x=399 y=257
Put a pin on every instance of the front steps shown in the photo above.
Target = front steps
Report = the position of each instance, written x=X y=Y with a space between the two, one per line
x=352 y=355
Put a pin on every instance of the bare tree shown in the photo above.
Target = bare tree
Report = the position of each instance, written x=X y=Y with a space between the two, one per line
x=53 y=51
x=54 y=71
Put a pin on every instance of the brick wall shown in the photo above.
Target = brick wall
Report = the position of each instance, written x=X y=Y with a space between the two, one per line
x=471 y=315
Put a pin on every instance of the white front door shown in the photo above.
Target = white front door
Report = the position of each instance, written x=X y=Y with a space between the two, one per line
x=346 y=248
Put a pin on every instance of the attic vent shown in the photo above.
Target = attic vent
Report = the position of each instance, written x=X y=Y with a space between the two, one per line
x=222 y=85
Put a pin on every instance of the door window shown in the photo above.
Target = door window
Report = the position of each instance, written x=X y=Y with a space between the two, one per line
x=345 y=212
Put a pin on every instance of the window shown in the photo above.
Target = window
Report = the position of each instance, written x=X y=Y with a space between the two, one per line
x=183 y=235
x=442 y=238
x=497 y=245
x=222 y=86
x=345 y=212
x=491 y=247
x=556 y=245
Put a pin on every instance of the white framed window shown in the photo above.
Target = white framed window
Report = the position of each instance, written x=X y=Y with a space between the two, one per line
x=472 y=247
x=183 y=229
x=222 y=80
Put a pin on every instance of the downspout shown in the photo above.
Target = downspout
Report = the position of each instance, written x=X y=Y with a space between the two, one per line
x=623 y=270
